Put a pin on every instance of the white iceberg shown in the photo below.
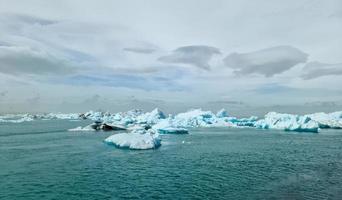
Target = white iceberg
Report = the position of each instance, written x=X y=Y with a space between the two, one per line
x=152 y=117
x=222 y=113
x=197 y=118
x=70 y=116
x=166 y=127
x=16 y=120
x=287 y=122
x=80 y=128
x=138 y=140
x=328 y=120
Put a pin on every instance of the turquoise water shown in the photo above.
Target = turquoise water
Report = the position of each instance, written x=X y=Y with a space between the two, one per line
x=40 y=160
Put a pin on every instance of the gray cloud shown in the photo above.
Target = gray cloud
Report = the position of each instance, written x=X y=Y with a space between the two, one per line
x=29 y=19
x=93 y=99
x=23 y=60
x=3 y=93
x=317 y=69
x=198 y=56
x=267 y=62
x=140 y=50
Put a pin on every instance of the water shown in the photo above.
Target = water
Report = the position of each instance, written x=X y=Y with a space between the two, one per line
x=40 y=160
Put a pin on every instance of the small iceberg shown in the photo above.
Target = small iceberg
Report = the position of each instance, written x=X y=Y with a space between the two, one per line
x=136 y=140
x=287 y=122
x=99 y=126
x=166 y=127
x=80 y=128
x=171 y=130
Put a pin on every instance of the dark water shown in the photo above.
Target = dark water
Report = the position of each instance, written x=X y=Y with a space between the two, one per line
x=40 y=160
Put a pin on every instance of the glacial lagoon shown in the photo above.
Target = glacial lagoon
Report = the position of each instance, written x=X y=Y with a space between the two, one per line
x=40 y=159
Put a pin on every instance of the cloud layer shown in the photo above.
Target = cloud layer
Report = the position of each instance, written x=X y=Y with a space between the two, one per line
x=198 y=56
x=169 y=51
x=24 y=60
x=317 y=69
x=267 y=62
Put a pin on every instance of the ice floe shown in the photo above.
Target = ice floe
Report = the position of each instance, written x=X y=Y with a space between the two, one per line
x=287 y=122
x=138 y=139
x=328 y=120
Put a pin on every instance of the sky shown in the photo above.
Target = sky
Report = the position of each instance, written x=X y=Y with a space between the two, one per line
x=246 y=56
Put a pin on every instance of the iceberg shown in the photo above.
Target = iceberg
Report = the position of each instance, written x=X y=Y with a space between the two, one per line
x=152 y=117
x=80 y=128
x=19 y=118
x=70 y=116
x=328 y=120
x=98 y=126
x=287 y=122
x=166 y=127
x=137 y=140
x=198 y=118
x=222 y=113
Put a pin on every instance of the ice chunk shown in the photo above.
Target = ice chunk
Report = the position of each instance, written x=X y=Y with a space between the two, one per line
x=97 y=126
x=195 y=118
x=80 y=128
x=287 y=122
x=167 y=127
x=135 y=140
x=328 y=120
x=70 y=116
x=151 y=117
x=16 y=119
x=172 y=130
x=243 y=121
x=222 y=113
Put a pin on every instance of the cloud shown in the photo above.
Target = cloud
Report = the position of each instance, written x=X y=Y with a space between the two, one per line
x=140 y=50
x=267 y=62
x=3 y=93
x=28 y=19
x=18 y=60
x=316 y=69
x=198 y=56
x=93 y=99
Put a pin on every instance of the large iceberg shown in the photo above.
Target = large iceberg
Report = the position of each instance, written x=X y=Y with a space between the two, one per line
x=287 y=122
x=138 y=139
x=200 y=118
x=328 y=120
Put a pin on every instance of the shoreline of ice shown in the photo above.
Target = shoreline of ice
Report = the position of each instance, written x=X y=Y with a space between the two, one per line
x=180 y=122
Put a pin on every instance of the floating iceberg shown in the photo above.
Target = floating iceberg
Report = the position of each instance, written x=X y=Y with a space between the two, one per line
x=222 y=113
x=10 y=118
x=287 y=122
x=135 y=140
x=172 y=130
x=98 y=126
x=166 y=127
x=199 y=118
x=80 y=128
x=70 y=116
x=152 y=117
x=328 y=120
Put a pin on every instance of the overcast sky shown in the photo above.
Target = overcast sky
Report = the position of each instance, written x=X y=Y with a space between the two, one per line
x=76 y=55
